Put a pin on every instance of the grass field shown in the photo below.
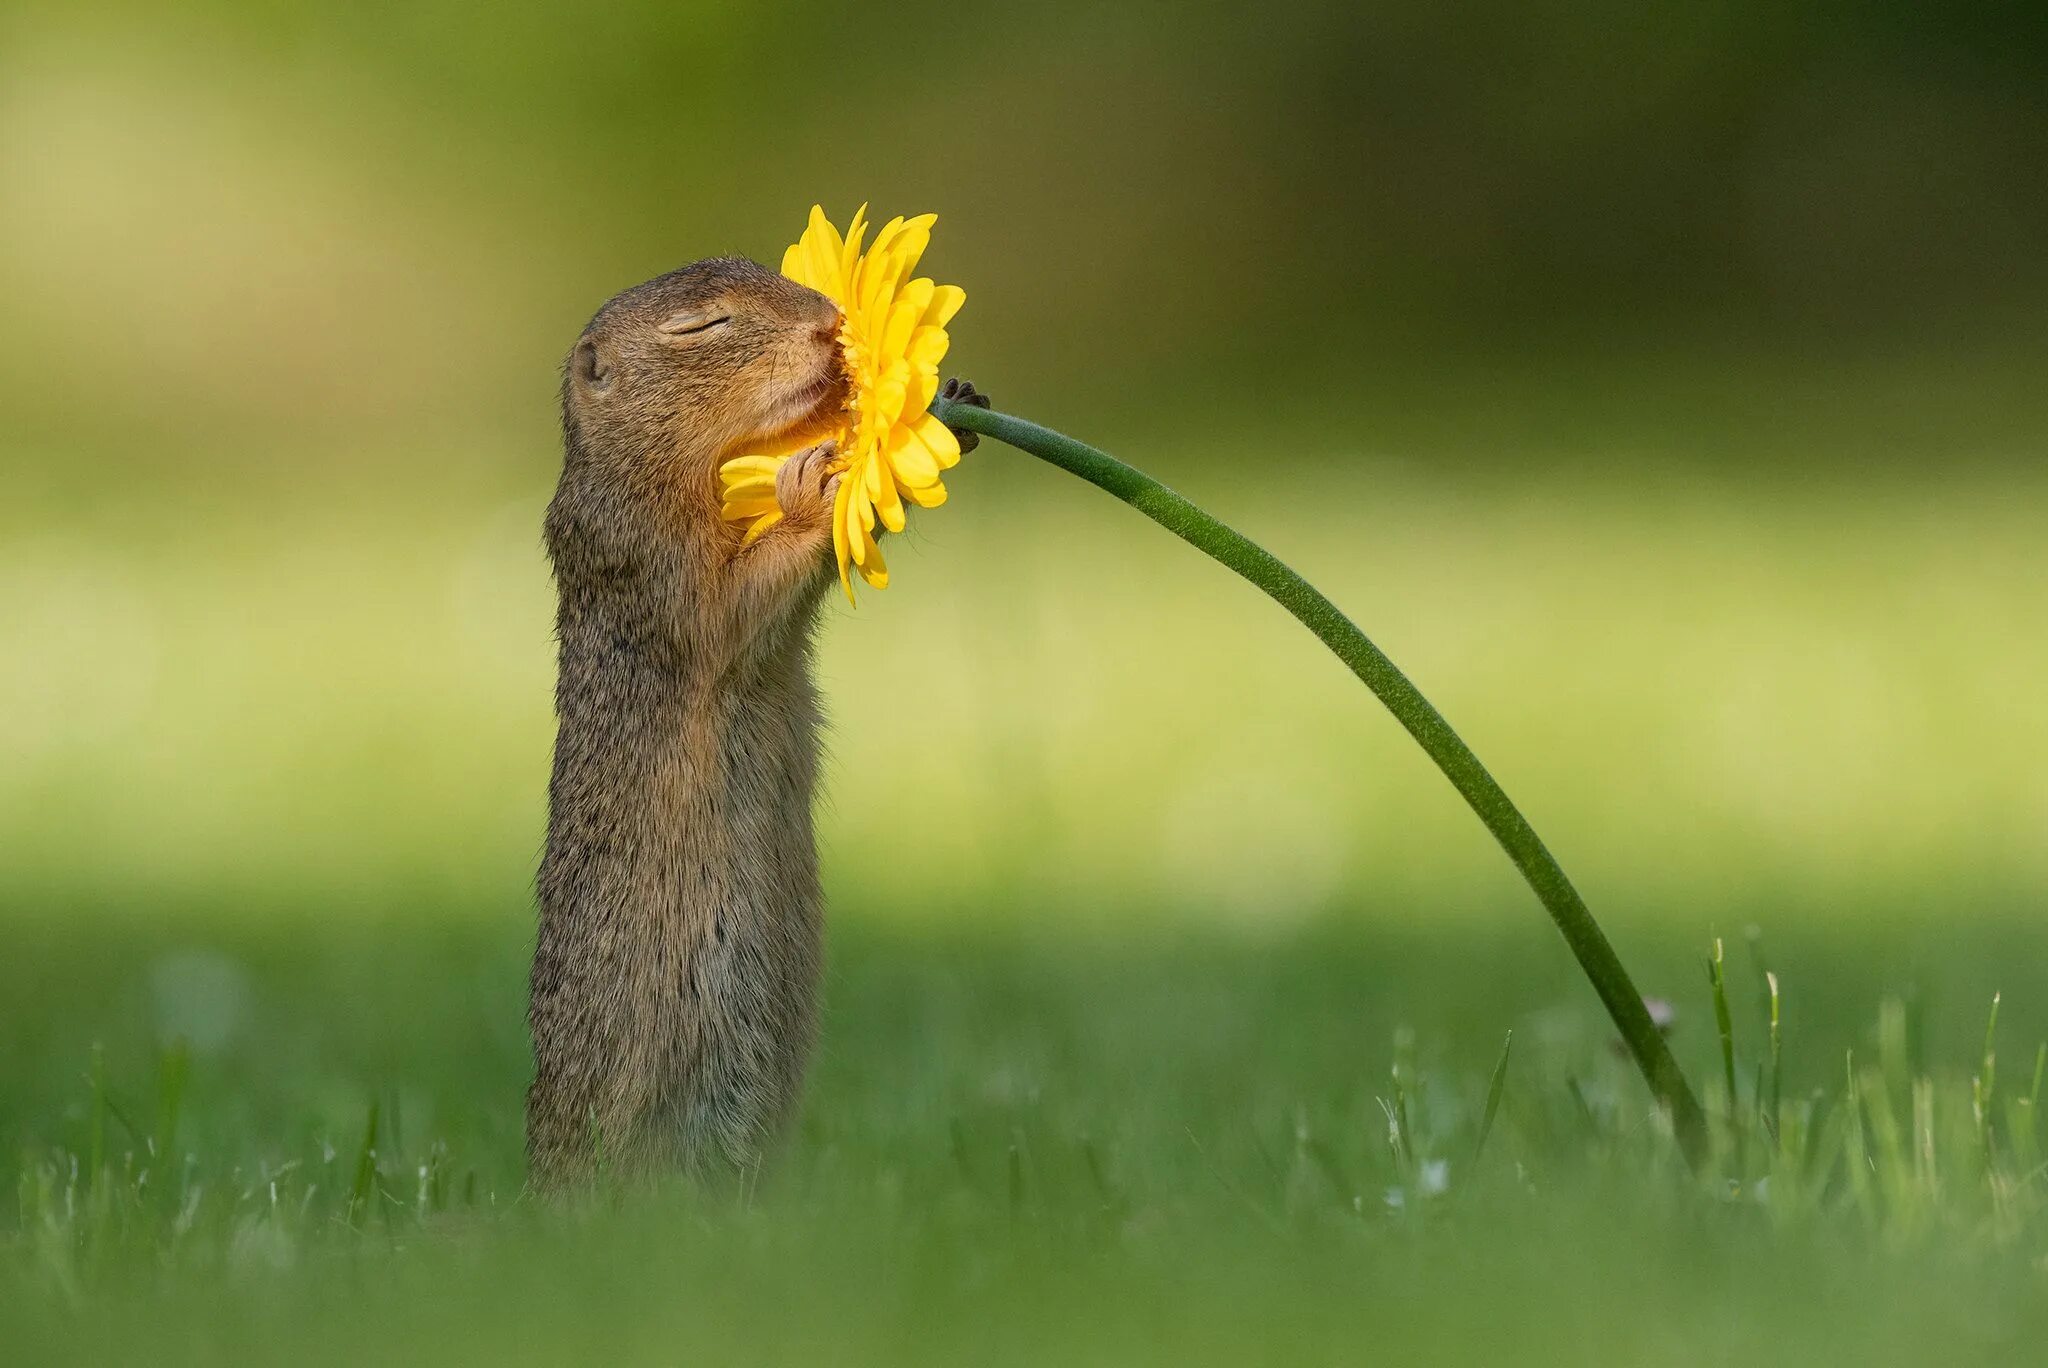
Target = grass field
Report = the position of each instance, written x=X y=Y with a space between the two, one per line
x=1662 y=389
x=1167 y=982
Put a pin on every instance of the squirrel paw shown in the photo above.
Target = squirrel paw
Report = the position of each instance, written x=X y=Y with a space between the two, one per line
x=963 y=392
x=805 y=484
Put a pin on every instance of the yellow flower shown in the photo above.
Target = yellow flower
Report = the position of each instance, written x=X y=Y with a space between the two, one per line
x=892 y=336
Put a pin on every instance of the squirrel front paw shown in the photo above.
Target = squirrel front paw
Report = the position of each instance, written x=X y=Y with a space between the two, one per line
x=963 y=392
x=806 y=484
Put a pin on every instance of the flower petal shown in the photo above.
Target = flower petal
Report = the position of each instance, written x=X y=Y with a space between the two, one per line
x=922 y=389
x=855 y=231
x=914 y=462
x=904 y=314
x=928 y=346
x=946 y=301
x=890 y=504
x=945 y=447
x=749 y=494
x=855 y=525
x=917 y=235
x=732 y=480
x=753 y=465
x=840 y=547
x=889 y=399
x=873 y=570
x=822 y=248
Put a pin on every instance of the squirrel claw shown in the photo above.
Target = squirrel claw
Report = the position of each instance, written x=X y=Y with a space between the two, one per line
x=963 y=392
x=802 y=485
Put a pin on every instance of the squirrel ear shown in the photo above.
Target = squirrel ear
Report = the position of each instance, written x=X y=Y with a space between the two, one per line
x=589 y=367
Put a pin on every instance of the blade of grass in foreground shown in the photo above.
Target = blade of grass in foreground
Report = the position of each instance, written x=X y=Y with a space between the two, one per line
x=1985 y=1085
x=1724 y=1023
x=173 y=1065
x=1777 y=1105
x=1494 y=1089
x=364 y=1186
x=1538 y=867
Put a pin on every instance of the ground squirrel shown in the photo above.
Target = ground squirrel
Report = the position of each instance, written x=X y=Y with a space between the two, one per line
x=675 y=975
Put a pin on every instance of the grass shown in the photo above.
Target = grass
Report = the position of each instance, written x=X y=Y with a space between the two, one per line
x=1177 y=1012
x=1184 y=1037
x=1153 y=1147
x=1696 y=690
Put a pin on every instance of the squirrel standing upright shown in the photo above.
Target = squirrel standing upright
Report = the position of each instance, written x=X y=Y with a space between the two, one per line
x=676 y=972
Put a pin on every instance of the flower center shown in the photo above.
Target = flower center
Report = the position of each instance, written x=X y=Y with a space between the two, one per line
x=860 y=364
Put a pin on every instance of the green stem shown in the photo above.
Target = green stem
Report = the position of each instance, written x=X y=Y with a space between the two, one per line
x=1538 y=867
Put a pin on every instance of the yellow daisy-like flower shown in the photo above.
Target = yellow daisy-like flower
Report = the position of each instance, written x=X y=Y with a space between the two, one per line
x=893 y=336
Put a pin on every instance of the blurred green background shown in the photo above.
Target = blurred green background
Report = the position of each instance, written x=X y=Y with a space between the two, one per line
x=1661 y=386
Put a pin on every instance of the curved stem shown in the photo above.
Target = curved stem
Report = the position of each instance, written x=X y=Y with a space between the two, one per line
x=1538 y=867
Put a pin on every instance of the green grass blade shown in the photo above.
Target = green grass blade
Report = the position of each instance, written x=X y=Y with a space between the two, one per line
x=2034 y=1095
x=1855 y=1141
x=364 y=1184
x=1985 y=1085
x=1753 y=939
x=96 y=1132
x=1404 y=1069
x=1724 y=1023
x=1494 y=1088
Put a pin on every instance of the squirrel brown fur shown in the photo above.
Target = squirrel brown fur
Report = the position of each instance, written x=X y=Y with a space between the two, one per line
x=676 y=971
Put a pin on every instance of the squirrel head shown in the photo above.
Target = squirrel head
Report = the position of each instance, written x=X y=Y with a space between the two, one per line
x=673 y=376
